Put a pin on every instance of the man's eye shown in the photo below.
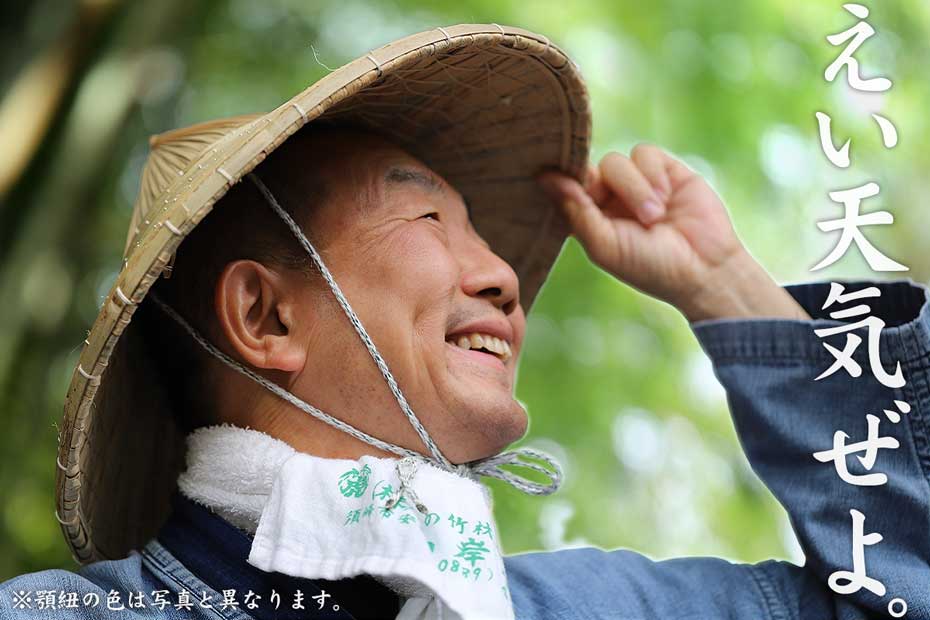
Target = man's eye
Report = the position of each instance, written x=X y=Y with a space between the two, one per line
x=432 y=215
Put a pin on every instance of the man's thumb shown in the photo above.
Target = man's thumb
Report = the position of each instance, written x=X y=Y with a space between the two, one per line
x=585 y=219
x=583 y=215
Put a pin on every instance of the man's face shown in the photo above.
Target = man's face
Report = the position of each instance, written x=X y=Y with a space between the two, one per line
x=440 y=305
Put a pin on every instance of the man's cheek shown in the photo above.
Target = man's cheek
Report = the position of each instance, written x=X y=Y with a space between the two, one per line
x=518 y=321
x=431 y=282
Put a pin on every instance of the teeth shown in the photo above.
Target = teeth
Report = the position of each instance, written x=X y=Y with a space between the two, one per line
x=499 y=347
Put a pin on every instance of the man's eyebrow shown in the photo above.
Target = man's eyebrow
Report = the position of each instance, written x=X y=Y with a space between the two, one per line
x=399 y=176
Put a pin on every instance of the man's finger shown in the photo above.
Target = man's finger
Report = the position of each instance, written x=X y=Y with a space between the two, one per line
x=562 y=187
x=594 y=186
x=652 y=162
x=587 y=221
x=624 y=179
x=609 y=242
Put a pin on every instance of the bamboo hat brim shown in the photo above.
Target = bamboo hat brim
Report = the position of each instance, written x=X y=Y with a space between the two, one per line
x=485 y=106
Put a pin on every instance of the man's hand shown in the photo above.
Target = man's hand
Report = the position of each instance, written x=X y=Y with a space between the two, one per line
x=655 y=224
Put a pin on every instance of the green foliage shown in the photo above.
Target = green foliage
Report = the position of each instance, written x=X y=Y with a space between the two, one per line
x=614 y=382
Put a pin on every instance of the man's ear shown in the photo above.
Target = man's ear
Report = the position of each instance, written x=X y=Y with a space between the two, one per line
x=253 y=308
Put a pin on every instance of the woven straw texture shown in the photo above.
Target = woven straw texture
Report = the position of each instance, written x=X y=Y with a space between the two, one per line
x=485 y=106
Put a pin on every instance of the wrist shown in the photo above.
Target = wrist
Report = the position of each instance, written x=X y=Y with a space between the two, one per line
x=740 y=288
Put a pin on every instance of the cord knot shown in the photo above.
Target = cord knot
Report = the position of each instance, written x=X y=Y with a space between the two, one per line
x=492 y=467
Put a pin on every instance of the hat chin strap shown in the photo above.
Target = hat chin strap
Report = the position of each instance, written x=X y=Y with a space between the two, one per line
x=489 y=466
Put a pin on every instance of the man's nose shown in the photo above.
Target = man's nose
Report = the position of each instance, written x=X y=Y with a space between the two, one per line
x=488 y=276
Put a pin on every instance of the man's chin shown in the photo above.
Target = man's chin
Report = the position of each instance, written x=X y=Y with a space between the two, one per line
x=495 y=428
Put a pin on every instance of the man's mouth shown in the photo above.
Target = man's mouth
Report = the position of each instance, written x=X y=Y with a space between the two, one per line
x=484 y=343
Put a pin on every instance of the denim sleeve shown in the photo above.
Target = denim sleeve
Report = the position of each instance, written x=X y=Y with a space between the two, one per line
x=783 y=416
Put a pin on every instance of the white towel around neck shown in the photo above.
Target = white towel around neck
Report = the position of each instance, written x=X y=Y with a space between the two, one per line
x=325 y=519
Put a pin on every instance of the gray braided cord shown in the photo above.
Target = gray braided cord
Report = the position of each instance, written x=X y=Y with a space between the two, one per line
x=278 y=390
x=354 y=320
x=491 y=466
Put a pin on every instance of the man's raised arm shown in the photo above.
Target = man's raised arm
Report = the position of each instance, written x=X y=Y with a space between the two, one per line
x=847 y=456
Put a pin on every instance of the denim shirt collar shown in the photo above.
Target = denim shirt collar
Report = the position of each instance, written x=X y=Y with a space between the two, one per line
x=217 y=552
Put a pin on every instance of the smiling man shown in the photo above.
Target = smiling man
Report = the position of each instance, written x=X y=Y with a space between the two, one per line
x=328 y=318
x=443 y=308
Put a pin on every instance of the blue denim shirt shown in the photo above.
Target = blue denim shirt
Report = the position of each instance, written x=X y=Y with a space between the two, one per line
x=782 y=417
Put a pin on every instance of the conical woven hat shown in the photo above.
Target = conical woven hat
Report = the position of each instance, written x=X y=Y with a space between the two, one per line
x=485 y=106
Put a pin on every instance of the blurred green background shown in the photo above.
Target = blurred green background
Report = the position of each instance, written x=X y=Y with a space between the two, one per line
x=614 y=381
